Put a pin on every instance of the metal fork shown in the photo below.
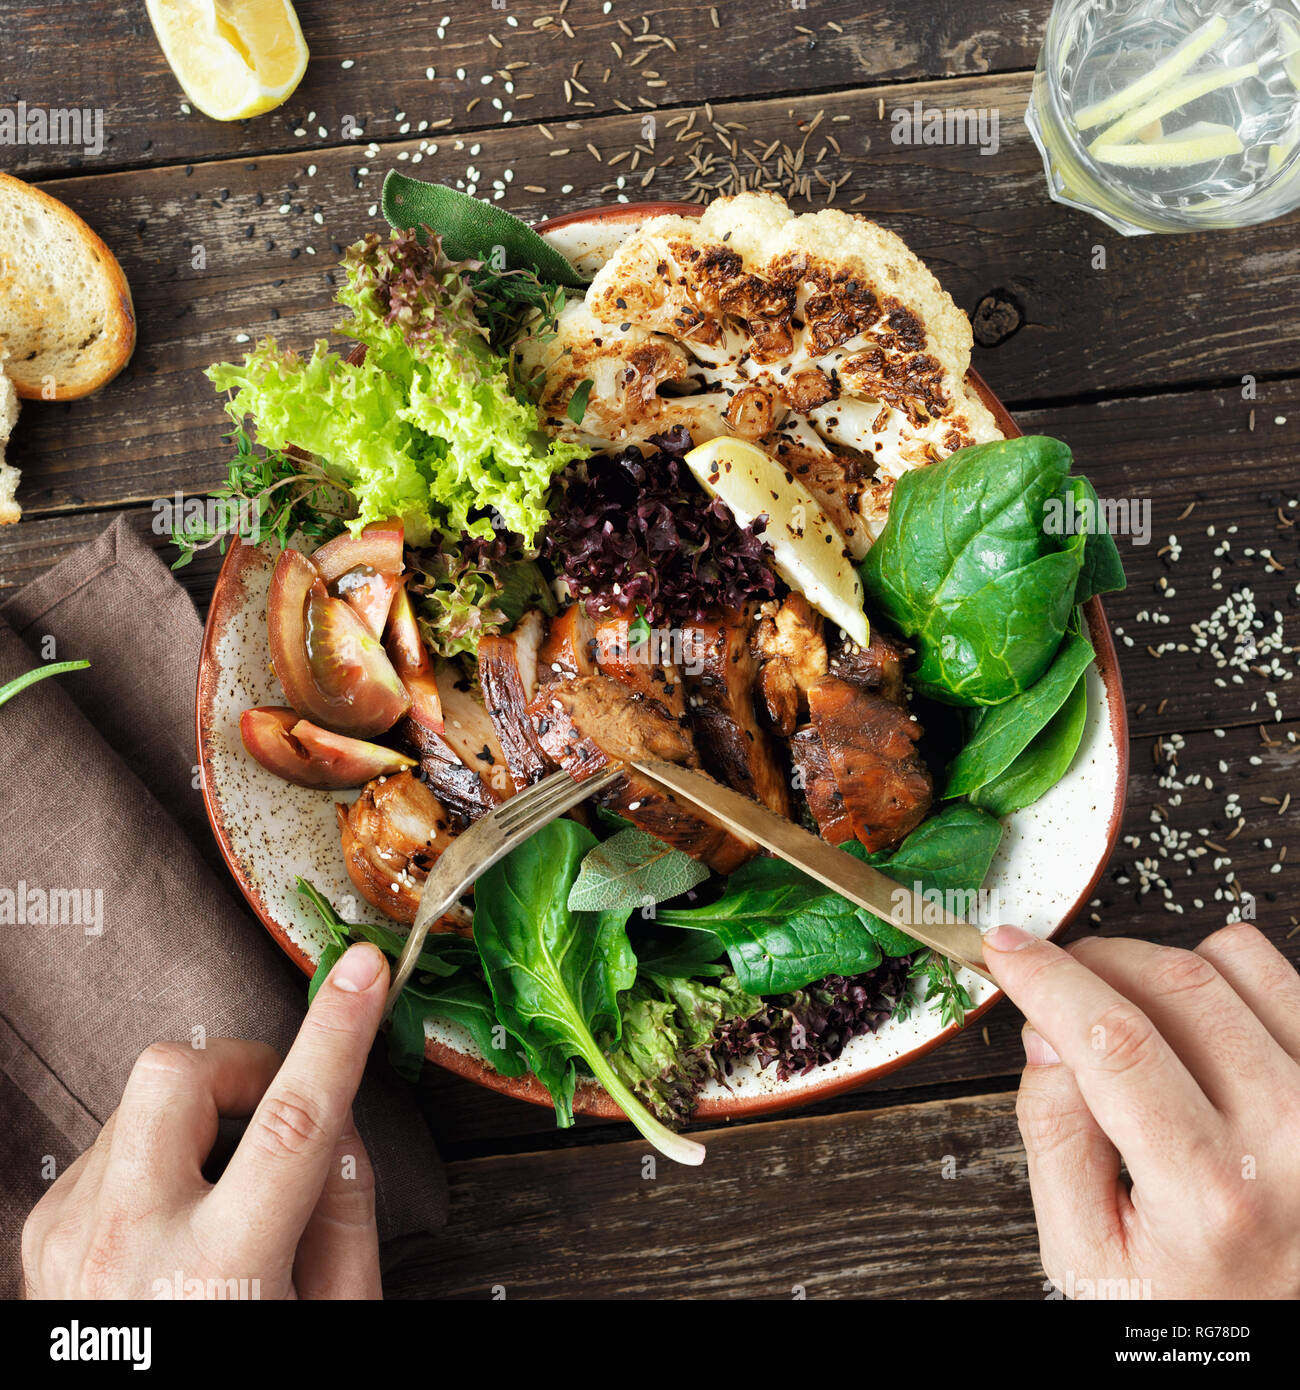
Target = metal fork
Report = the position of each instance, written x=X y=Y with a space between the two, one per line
x=475 y=850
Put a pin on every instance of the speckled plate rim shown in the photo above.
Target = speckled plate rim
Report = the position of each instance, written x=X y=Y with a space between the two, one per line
x=591 y=1101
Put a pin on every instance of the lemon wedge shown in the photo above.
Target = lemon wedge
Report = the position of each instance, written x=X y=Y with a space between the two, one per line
x=235 y=58
x=808 y=551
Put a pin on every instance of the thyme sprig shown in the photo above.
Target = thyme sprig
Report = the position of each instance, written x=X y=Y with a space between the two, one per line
x=267 y=492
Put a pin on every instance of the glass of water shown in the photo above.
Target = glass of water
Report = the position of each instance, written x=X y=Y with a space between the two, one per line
x=1171 y=115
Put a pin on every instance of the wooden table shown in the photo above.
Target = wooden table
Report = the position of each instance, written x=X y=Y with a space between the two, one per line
x=1171 y=365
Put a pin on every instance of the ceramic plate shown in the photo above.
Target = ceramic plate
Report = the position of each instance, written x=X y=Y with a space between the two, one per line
x=1050 y=859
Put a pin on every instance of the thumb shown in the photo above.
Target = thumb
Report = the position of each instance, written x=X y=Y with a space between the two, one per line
x=1073 y=1166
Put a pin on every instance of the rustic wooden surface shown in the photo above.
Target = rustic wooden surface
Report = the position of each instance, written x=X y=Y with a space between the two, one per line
x=1171 y=365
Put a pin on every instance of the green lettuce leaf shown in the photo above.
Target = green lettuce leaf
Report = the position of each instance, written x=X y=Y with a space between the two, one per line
x=426 y=427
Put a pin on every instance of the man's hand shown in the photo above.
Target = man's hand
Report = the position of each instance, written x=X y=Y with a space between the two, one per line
x=1184 y=1066
x=295 y=1207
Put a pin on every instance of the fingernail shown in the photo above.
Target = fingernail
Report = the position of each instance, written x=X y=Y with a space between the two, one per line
x=1038 y=1051
x=358 y=968
x=1009 y=939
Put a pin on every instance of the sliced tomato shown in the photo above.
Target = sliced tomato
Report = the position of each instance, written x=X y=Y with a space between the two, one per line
x=365 y=570
x=378 y=547
x=309 y=756
x=410 y=658
x=333 y=669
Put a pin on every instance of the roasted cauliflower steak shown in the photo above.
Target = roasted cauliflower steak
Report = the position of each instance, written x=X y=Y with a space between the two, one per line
x=821 y=337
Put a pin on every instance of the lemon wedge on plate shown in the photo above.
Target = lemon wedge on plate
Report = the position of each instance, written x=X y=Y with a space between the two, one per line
x=808 y=551
x=235 y=58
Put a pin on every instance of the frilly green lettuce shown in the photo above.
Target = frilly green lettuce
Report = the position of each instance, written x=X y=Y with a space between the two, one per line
x=426 y=427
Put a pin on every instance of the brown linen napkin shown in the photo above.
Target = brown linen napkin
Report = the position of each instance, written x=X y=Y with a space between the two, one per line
x=98 y=800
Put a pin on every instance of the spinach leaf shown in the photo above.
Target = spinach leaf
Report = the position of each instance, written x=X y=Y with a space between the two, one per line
x=555 y=974
x=464 y=1000
x=633 y=869
x=1006 y=730
x=472 y=229
x=1043 y=762
x=782 y=930
x=692 y=955
x=966 y=569
x=1102 y=571
x=443 y=953
x=950 y=852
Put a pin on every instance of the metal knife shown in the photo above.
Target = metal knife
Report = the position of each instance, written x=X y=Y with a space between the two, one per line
x=896 y=903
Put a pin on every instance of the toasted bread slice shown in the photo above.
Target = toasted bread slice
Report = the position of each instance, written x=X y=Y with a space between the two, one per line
x=66 y=317
x=10 y=511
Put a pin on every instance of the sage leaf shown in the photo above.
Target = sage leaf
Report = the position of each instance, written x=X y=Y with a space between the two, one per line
x=472 y=229
x=630 y=870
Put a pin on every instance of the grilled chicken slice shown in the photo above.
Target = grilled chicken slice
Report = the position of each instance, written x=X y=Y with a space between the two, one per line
x=641 y=666
x=588 y=722
x=579 y=645
x=789 y=638
x=569 y=648
x=870 y=745
x=468 y=732
x=721 y=677
x=458 y=787
x=507 y=671
x=779 y=696
x=877 y=667
x=392 y=833
x=814 y=777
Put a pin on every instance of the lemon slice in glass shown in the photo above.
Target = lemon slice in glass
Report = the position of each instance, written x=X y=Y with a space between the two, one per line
x=235 y=58
x=808 y=551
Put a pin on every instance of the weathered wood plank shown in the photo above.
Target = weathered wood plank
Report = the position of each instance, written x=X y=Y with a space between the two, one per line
x=209 y=263
x=114 y=63
x=927 y=1200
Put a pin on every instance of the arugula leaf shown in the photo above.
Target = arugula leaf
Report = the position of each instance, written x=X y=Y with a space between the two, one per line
x=966 y=569
x=472 y=229
x=443 y=953
x=556 y=974
x=1043 y=761
x=633 y=869
x=329 y=958
x=1006 y=730
x=446 y=985
x=782 y=930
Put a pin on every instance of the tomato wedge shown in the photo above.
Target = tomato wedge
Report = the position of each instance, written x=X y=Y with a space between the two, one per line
x=308 y=756
x=365 y=570
x=410 y=658
x=333 y=669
